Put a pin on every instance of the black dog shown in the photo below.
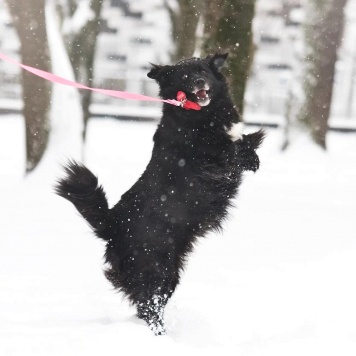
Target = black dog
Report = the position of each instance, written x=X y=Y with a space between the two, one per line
x=185 y=191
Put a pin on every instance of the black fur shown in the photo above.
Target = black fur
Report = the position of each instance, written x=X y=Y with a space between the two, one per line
x=185 y=191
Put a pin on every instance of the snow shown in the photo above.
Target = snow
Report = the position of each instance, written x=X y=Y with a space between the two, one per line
x=278 y=281
x=66 y=115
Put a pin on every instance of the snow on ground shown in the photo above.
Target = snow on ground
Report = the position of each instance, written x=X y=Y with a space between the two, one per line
x=279 y=281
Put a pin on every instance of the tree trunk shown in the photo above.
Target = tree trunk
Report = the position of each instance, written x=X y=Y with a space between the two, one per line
x=29 y=20
x=212 y=14
x=323 y=32
x=81 y=50
x=184 y=21
x=228 y=27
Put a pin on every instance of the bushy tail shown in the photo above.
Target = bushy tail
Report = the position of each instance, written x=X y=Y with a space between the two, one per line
x=81 y=188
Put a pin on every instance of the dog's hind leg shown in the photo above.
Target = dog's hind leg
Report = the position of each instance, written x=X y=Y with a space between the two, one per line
x=148 y=293
x=152 y=312
x=148 y=278
x=151 y=308
x=157 y=286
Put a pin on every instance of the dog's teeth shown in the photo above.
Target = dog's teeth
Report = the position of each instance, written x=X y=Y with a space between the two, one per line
x=201 y=94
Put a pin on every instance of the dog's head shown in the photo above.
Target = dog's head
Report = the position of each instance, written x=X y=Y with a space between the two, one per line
x=200 y=79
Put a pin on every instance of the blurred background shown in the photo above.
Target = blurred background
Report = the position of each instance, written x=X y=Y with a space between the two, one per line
x=291 y=61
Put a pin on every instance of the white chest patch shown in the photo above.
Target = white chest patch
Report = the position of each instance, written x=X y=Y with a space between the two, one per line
x=236 y=131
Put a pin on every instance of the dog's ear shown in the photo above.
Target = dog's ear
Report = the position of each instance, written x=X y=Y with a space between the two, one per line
x=155 y=72
x=218 y=60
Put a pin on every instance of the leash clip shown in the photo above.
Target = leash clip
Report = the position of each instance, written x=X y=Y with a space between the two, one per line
x=182 y=98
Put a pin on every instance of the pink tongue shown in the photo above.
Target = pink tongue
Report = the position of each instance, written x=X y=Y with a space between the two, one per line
x=201 y=94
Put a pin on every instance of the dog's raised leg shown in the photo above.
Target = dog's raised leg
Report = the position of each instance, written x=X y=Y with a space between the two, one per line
x=247 y=157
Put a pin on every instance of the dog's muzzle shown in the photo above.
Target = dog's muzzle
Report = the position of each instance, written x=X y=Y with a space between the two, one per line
x=201 y=92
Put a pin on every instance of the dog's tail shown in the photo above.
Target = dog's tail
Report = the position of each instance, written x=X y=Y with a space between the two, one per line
x=81 y=188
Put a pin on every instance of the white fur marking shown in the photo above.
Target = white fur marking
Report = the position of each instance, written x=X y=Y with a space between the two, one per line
x=236 y=131
x=204 y=102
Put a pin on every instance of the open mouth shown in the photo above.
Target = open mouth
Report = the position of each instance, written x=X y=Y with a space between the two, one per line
x=202 y=96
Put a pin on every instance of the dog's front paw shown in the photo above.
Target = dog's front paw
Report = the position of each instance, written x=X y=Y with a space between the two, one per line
x=251 y=163
x=248 y=159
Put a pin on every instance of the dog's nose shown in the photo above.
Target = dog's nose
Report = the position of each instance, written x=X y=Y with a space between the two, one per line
x=200 y=81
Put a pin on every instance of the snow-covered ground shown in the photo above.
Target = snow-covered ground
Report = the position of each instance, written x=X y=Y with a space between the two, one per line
x=280 y=280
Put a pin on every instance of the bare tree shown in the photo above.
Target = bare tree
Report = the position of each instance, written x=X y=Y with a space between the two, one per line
x=323 y=32
x=81 y=44
x=228 y=27
x=212 y=14
x=29 y=20
x=185 y=15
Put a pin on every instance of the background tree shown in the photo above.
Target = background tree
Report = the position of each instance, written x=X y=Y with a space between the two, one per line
x=80 y=41
x=185 y=15
x=228 y=27
x=212 y=13
x=29 y=21
x=323 y=32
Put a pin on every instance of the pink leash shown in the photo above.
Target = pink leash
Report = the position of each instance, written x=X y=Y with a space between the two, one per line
x=115 y=93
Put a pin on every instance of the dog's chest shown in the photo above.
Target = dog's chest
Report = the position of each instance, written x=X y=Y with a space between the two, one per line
x=203 y=162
